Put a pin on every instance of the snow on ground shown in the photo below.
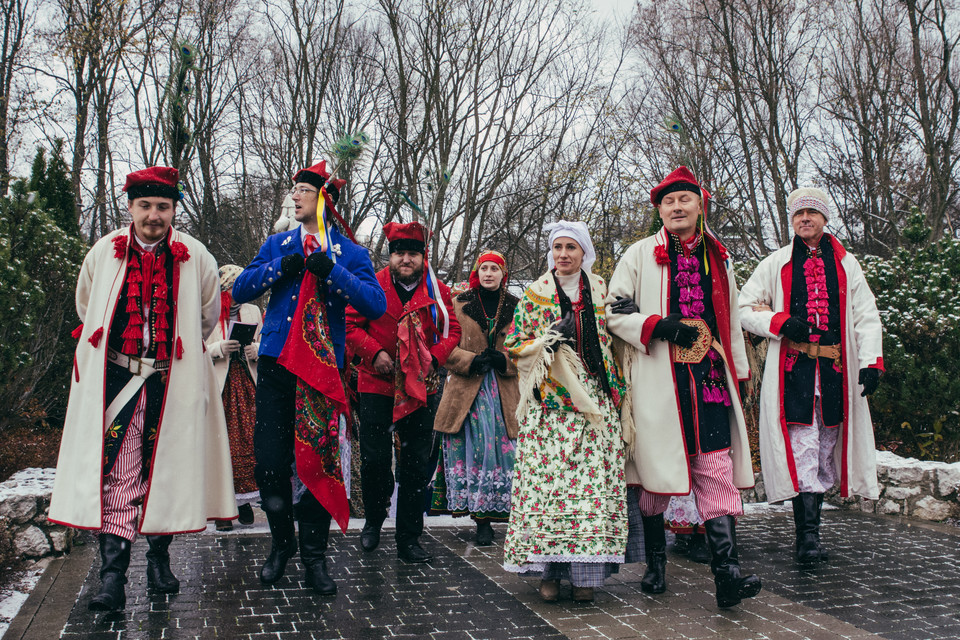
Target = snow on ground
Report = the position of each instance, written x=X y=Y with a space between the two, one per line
x=13 y=595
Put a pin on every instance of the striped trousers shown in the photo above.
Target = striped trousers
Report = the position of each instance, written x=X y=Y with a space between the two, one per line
x=712 y=477
x=124 y=487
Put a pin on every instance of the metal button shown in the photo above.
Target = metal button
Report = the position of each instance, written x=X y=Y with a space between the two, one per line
x=269 y=279
x=329 y=282
x=339 y=291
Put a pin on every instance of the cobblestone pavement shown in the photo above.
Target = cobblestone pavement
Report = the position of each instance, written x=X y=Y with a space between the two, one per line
x=892 y=579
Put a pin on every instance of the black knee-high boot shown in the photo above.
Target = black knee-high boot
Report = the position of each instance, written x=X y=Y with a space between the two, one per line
x=314 y=523
x=159 y=576
x=731 y=586
x=114 y=560
x=806 y=518
x=277 y=501
x=655 y=544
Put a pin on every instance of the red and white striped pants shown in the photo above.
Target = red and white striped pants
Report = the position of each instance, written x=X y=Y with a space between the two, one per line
x=124 y=487
x=713 y=489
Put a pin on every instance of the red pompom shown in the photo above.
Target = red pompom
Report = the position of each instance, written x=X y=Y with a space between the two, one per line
x=660 y=253
x=76 y=333
x=179 y=349
x=95 y=338
x=179 y=251
x=120 y=246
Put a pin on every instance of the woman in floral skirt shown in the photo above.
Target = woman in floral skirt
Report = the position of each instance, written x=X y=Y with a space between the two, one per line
x=235 y=366
x=478 y=411
x=568 y=518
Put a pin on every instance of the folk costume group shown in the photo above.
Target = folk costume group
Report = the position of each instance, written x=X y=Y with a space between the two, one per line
x=574 y=412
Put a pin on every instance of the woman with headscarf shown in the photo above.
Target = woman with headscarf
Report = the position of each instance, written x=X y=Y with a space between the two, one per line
x=235 y=366
x=478 y=411
x=568 y=518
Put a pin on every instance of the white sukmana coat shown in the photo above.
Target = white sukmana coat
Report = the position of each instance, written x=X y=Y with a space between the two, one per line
x=658 y=460
x=191 y=479
x=855 y=453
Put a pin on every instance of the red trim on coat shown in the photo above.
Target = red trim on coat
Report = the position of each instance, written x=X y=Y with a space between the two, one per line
x=838 y=253
x=646 y=332
x=166 y=388
x=786 y=282
x=877 y=365
x=776 y=323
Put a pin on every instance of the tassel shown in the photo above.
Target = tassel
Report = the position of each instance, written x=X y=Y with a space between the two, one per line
x=136 y=319
x=130 y=347
x=76 y=333
x=159 y=277
x=179 y=348
x=133 y=291
x=76 y=369
x=132 y=332
x=135 y=276
x=95 y=338
x=726 y=398
x=161 y=321
x=161 y=307
x=132 y=305
x=160 y=293
x=162 y=351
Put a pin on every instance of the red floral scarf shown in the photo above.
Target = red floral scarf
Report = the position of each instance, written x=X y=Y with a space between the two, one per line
x=308 y=353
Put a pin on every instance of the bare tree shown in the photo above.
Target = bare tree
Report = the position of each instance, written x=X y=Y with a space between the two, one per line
x=17 y=16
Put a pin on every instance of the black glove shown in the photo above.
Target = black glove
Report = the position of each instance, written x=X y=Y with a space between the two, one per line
x=742 y=384
x=291 y=265
x=796 y=329
x=672 y=330
x=624 y=305
x=480 y=364
x=319 y=264
x=870 y=379
x=497 y=360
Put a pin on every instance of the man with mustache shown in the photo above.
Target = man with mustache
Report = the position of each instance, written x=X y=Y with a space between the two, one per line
x=144 y=446
x=825 y=356
x=399 y=357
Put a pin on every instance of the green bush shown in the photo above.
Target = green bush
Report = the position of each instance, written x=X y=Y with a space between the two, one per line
x=39 y=264
x=916 y=409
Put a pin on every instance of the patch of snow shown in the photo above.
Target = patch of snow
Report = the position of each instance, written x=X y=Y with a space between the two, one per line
x=13 y=595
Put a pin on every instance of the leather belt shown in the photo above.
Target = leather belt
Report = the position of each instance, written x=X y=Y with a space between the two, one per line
x=816 y=350
x=144 y=367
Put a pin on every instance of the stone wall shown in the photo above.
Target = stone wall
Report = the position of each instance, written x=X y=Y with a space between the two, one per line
x=24 y=500
x=908 y=487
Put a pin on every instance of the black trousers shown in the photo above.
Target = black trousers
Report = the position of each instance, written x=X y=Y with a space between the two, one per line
x=417 y=446
x=273 y=437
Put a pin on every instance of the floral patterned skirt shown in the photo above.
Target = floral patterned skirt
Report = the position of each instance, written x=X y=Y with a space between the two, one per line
x=568 y=492
x=477 y=464
x=239 y=405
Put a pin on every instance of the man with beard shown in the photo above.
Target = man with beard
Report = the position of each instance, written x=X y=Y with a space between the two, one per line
x=825 y=356
x=312 y=272
x=144 y=447
x=399 y=357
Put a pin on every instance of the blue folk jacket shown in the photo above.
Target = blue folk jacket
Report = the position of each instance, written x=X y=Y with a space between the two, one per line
x=352 y=282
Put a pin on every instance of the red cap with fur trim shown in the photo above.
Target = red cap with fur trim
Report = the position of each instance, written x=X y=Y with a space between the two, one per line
x=411 y=236
x=317 y=175
x=681 y=179
x=155 y=182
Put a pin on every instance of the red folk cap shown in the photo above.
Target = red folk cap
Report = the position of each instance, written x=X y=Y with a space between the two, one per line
x=317 y=175
x=411 y=236
x=159 y=182
x=681 y=179
x=487 y=256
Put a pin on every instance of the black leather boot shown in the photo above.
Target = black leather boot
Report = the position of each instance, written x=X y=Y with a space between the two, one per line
x=655 y=543
x=159 y=576
x=681 y=543
x=313 y=554
x=484 y=533
x=278 y=506
x=824 y=556
x=731 y=586
x=804 y=508
x=370 y=535
x=699 y=551
x=114 y=560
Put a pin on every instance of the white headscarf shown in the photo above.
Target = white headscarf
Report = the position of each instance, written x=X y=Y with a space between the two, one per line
x=577 y=231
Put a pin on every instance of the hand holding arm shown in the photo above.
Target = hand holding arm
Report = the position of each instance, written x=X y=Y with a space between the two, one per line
x=672 y=330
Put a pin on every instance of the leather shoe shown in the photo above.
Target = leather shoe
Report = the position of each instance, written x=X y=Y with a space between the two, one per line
x=413 y=553
x=583 y=594
x=370 y=536
x=484 y=533
x=246 y=514
x=549 y=590
x=276 y=563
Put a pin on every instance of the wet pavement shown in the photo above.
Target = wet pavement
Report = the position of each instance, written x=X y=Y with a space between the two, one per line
x=886 y=578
